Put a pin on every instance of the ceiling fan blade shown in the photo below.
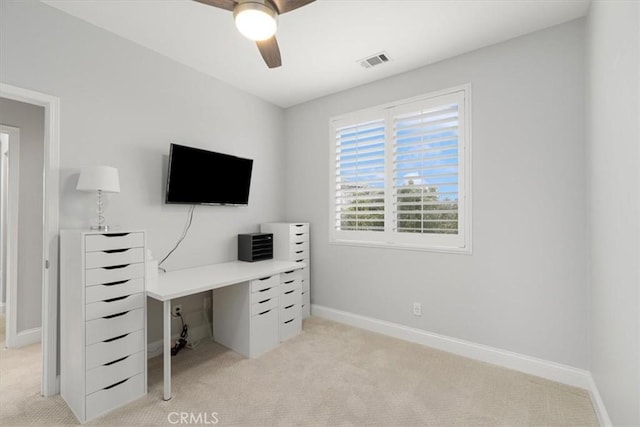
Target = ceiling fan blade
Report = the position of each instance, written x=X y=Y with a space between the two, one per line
x=285 y=6
x=222 y=4
x=270 y=52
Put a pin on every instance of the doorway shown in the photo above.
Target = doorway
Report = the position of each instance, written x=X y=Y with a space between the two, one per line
x=9 y=187
x=49 y=237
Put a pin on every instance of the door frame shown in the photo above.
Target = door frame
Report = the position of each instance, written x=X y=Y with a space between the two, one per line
x=50 y=383
x=10 y=269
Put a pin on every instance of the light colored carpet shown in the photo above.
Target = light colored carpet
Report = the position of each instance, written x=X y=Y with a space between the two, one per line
x=331 y=374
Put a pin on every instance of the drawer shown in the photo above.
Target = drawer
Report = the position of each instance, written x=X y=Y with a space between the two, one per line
x=292 y=298
x=299 y=237
x=306 y=273
x=107 y=242
x=300 y=227
x=113 y=306
x=96 y=276
x=263 y=334
x=106 y=351
x=290 y=286
x=306 y=310
x=115 y=395
x=113 y=257
x=264 y=294
x=290 y=328
x=113 y=372
x=113 y=290
x=290 y=275
x=119 y=324
x=302 y=260
x=264 y=283
x=299 y=250
x=264 y=306
x=306 y=298
x=292 y=311
x=306 y=304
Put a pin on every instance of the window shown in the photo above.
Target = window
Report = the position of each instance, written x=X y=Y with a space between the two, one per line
x=401 y=174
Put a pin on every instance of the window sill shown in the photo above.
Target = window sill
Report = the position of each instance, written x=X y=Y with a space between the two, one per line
x=401 y=246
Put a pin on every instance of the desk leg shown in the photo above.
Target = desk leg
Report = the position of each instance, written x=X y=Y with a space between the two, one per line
x=167 y=349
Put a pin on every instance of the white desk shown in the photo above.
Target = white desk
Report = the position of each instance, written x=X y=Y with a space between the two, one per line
x=191 y=281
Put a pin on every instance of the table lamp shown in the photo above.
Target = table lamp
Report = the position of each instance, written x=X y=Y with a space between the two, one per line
x=100 y=179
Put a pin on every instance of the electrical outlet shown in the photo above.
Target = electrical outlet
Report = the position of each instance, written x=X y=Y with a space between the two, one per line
x=417 y=309
x=176 y=309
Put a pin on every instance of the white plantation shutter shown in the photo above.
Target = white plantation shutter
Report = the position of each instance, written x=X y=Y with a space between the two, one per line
x=360 y=176
x=425 y=170
x=400 y=174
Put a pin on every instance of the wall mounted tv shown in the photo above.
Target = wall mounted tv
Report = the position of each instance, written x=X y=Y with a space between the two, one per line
x=205 y=177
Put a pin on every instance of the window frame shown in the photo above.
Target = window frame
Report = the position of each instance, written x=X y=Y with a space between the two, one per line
x=448 y=243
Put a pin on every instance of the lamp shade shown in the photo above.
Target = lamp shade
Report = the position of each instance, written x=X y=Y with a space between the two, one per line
x=95 y=178
x=255 y=20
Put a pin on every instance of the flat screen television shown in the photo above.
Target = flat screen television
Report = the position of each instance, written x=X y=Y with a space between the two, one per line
x=203 y=177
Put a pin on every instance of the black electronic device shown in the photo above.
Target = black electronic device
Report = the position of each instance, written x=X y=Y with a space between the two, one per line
x=204 y=177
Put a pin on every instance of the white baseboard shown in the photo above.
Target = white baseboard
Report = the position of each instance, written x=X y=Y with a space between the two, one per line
x=519 y=362
x=30 y=336
x=530 y=365
x=598 y=404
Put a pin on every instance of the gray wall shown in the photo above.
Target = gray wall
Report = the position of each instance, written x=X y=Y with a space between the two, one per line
x=121 y=105
x=614 y=205
x=30 y=120
x=524 y=288
x=4 y=188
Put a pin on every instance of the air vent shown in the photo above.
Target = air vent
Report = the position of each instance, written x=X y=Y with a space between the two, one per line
x=377 y=59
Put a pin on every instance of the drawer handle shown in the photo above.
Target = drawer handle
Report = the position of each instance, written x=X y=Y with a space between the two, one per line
x=264 y=290
x=116 y=361
x=299 y=252
x=115 y=251
x=299 y=234
x=289 y=272
x=298 y=243
x=300 y=260
x=116 y=315
x=299 y=225
x=290 y=292
x=264 y=312
x=115 y=283
x=116 y=299
x=289 y=321
x=115 y=234
x=115 y=267
x=289 y=306
x=290 y=281
x=115 y=338
x=263 y=301
x=116 y=384
x=265 y=278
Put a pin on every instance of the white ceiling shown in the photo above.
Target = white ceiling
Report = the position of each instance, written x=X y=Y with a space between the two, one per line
x=321 y=43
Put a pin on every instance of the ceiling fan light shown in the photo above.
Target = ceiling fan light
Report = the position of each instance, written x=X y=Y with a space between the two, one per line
x=255 y=20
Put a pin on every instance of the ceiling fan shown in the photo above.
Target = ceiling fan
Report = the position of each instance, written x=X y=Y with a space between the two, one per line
x=258 y=21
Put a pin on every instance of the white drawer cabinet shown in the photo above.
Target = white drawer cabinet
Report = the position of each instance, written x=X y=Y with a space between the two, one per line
x=103 y=349
x=290 y=305
x=291 y=242
x=245 y=316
